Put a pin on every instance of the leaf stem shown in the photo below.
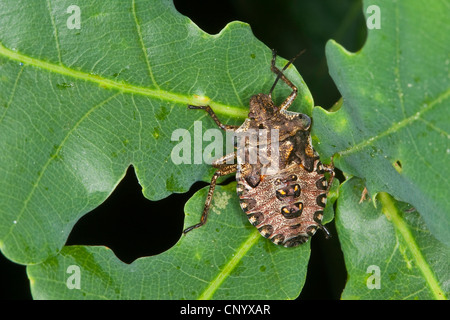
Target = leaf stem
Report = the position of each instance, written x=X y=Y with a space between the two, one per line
x=394 y=215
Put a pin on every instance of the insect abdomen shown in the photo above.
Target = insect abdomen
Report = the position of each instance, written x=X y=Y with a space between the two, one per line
x=286 y=207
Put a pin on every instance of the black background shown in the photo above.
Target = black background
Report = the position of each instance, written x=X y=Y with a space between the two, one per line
x=126 y=221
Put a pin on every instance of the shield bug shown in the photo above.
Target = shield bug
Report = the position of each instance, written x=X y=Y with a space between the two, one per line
x=283 y=192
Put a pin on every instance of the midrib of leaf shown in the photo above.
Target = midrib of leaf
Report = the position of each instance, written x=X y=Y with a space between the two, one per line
x=391 y=212
x=221 y=108
x=229 y=267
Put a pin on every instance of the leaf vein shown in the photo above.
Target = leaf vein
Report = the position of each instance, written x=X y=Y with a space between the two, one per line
x=141 y=42
x=396 y=126
x=13 y=91
x=54 y=156
x=229 y=76
x=55 y=31
x=397 y=63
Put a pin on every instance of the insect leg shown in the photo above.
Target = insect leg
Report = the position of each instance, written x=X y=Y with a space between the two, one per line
x=214 y=117
x=325 y=230
x=223 y=170
x=363 y=195
x=226 y=159
x=330 y=169
x=281 y=76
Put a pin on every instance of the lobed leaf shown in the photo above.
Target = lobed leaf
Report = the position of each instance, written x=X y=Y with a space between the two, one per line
x=389 y=251
x=225 y=259
x=393 y=129
x=79 y=106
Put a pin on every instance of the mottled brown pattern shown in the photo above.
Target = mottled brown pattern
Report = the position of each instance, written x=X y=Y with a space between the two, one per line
x=264 y=208
x=284 y=192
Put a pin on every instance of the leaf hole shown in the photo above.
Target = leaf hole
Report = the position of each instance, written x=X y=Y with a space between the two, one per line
x=398 y=166
x=130 y=224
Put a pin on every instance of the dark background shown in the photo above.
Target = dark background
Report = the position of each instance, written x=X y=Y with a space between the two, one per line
x=123 y=222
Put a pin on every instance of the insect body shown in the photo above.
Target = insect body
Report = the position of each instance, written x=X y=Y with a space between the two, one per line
x=284 y=191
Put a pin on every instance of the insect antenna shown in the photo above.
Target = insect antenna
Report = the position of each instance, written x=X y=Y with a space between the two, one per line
x=279 y=74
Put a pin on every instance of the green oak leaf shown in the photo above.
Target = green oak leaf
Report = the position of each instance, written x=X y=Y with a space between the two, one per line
x=227 y=258
x=393 y=129
x=389 y=251
x=79 y=106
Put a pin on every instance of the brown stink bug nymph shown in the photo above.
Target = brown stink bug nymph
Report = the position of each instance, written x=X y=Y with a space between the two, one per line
x=286 y=203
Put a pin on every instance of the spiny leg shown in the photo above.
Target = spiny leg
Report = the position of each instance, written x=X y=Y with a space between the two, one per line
x=325 y=230
x=363 y=195
x=226 y=159
x=330 y=169
x=285 y=105
x=214 y=117
x=223 y=170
